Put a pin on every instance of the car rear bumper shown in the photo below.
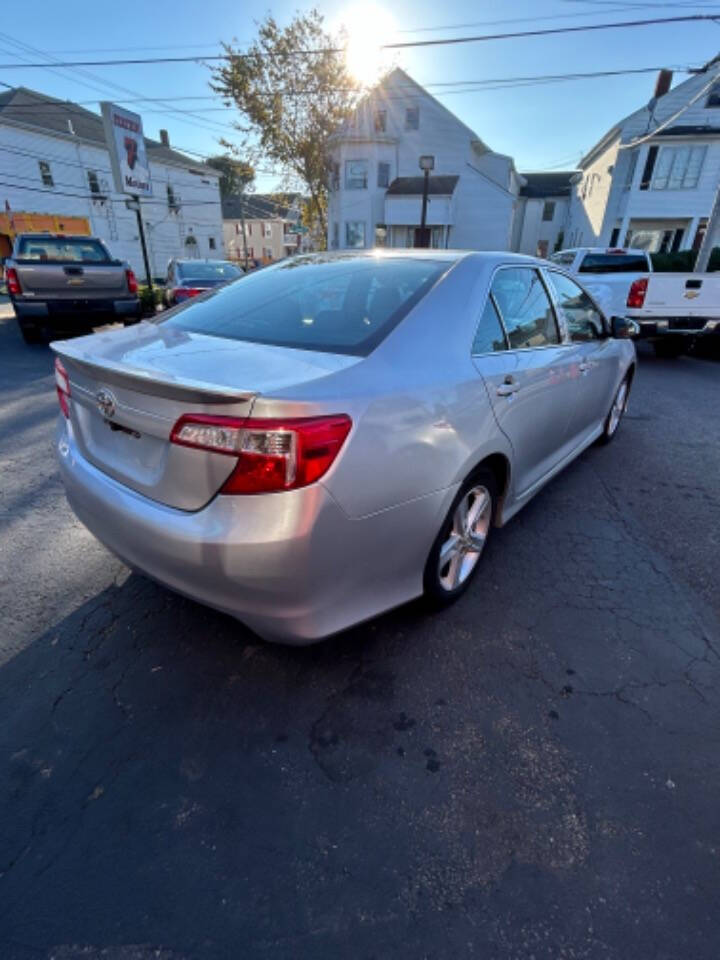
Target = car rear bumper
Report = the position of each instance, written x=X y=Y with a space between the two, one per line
x=679 y=326
x=292 y=566
x=75 y=312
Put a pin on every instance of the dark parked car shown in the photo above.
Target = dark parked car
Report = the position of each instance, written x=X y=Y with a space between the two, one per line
x=188 y=278
x=57 y=282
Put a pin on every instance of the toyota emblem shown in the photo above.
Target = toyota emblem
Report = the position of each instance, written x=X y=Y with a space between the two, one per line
x=105 y=403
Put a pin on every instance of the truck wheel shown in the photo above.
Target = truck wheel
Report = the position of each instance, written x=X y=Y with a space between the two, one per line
x=669 y=349
x=31 y=334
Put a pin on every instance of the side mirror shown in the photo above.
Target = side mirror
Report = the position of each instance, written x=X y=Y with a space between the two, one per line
x=624 y=328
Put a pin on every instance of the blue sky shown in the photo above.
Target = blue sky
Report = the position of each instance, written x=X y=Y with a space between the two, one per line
x=542 y=126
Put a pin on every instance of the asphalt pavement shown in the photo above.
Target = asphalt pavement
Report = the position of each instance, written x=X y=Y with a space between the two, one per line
x=533 y=774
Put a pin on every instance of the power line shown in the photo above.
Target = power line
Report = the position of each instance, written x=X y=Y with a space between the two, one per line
x=397 y=45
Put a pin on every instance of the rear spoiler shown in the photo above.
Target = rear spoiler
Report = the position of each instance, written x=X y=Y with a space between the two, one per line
x=150 y=383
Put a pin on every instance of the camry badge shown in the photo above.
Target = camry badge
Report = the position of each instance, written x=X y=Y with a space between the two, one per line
x=105 y=402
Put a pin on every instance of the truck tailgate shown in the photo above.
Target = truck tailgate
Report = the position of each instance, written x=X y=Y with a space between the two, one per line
x=682 y=295
x=71 y=281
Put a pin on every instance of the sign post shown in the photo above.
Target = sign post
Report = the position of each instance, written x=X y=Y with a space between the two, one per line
x=129 y=164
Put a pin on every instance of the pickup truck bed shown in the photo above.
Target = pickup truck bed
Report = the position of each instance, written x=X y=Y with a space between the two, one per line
x=68 y=283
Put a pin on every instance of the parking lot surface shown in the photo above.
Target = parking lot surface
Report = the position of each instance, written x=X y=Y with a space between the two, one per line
x=533 y=773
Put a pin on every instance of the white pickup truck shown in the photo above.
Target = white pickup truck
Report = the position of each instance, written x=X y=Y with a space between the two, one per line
x=671 y=308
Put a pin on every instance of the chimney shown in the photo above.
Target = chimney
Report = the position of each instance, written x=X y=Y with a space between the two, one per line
x=663 y=83
x=165 y=139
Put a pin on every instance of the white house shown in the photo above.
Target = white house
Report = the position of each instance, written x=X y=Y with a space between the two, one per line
x=55 y=175
x=542 y=213
x=651 y=181
x=376 y=185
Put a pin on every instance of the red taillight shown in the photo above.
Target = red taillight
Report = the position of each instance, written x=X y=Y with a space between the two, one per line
x=182 y=293
x=132 y=283
x=13 y=283
x=272 y=454
x=636 y=296
x=62 y=385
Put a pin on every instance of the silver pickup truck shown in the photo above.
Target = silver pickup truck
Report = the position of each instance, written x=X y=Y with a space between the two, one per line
x=60 y=282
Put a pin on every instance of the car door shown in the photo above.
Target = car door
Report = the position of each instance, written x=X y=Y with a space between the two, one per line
x=528 y=372
x=593 y=354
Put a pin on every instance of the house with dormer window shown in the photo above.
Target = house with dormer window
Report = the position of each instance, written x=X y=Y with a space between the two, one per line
x=651 y=181
x=376 y=185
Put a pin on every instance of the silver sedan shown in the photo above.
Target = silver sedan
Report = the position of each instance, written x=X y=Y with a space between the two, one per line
x=332 y=436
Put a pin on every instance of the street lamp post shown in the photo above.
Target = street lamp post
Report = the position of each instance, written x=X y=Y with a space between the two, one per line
x=427 y=163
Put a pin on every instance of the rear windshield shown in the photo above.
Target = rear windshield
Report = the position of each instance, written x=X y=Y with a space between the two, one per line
x=614 y=263
x=334 y=305
x=62 y=250
x=208 y=270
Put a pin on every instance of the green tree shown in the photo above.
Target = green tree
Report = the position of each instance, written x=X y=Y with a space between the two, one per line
x=292 y=89
x=236 y=175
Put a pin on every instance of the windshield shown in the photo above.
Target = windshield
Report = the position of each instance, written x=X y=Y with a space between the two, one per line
x=63 y=250
x=216 y=270
x=333 y=305
x=614 y=263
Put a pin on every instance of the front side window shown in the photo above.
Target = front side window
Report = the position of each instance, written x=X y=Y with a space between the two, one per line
x=678 y=168
x=548 y=211
x=356 y=174
x=345 y=303
x=412 y=118
x=581 y=315
x=355 y=234
x=46 y=174
x=489 y=336
x=383 y=179
x=525 y=308
x=565 y=258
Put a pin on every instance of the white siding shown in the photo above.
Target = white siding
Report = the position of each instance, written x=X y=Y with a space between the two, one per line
x=483 y=201
x=70 y=159
x=611 y=205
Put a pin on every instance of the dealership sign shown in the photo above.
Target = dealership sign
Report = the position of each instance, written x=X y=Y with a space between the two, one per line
x=128 y=156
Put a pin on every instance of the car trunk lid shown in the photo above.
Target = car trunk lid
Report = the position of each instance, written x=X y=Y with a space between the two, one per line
x=128 y=389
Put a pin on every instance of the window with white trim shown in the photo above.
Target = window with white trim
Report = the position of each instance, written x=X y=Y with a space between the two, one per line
x=356 y=174
x=355 y=234
x=678 y=168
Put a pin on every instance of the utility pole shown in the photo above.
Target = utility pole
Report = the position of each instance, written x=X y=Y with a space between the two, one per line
x=427 y=163
x=242 y=221
x=706 y=247
x=134 y=204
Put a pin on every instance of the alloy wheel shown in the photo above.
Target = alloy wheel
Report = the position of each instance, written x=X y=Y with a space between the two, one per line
x=461 y=550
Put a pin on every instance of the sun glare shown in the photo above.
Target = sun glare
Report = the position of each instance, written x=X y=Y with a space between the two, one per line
x=367 y=26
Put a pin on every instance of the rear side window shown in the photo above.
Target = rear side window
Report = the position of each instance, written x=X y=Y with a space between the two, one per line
x=345 y=304
x=62 y=250
x=613 y=263
x=525 y=308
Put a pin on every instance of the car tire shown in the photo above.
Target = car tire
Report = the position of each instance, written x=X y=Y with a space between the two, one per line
x=669 y=349
x=455 y=555
x=31 y=334
x=616 y=412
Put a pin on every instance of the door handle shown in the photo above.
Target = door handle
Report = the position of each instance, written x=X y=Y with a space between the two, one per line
x=583 y=366
x=509 y=387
